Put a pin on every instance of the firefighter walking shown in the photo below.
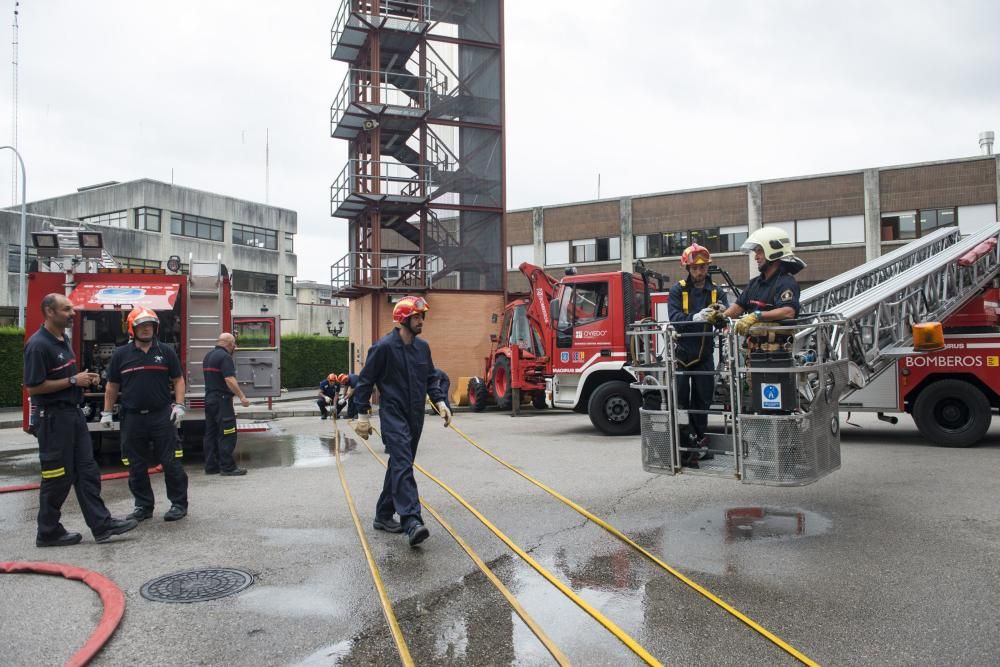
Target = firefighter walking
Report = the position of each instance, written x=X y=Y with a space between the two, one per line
x=694 y=305
x=220 y=417
x=65 y=450
x=147 y=376
x=400 y=365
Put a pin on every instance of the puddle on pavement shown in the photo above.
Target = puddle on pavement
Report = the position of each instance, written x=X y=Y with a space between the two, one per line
x=289 y=450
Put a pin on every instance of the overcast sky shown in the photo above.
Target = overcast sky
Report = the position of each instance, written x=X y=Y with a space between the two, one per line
x=652 y=96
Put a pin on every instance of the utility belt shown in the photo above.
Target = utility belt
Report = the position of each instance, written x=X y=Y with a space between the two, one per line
x=132 y=411
x=223 y=394
x=57 y=406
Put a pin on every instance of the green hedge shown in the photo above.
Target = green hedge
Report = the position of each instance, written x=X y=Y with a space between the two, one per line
x=305 y=360
x=12 y=370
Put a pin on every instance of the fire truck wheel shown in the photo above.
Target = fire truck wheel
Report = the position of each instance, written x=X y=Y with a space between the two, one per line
x=538 y=400
x=501 y=382
x=477 y=394
x=952 y=413
x=614 y=409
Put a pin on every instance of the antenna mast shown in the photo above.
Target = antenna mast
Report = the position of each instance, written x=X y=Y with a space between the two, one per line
x=13 y=111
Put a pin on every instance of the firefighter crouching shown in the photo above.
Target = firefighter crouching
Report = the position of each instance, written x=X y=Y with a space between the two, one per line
x=773 y=296
x=220 y=418
x=147 y=376
x=328 y=389
x=65 y=450
x=347 y=381
x=694 y=305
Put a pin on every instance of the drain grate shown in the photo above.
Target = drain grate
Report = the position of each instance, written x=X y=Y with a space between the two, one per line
x=196 y=585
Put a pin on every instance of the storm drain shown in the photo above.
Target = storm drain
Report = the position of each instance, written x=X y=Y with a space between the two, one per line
x=197 y=585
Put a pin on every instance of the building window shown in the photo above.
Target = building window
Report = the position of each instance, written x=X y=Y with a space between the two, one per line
x=732 y=238
x=289 y=286
x=113 y=219
x=390 y=266
x=135 y=263
x=847 y=229
x=609 y=249
x=557 y=252
x=516 y=254
x=147 y=218
x=184 y=224
x=289 y=242
x=649 y=245
x=815 y=231
x=584 y=250
x=914 y=224
x=255 y=237
x=251 y=281
x=14 y=257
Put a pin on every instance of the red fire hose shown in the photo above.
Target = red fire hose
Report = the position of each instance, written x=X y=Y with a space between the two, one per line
x=111 y=596
x=104 y=478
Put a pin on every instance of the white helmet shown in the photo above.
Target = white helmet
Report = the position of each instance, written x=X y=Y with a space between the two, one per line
x=777 y=246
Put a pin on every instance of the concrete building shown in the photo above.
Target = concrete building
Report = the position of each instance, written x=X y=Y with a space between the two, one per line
x=837 y=220
x=318 y=312
x=144 y=222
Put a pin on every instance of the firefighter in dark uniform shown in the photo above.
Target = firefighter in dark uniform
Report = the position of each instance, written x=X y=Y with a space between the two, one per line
x=64 y=446
x=694 y=305
x=773 y=296
x=348 y=382
x=328 y=389
x=400 y=365
x=149 y=377
x=220 y=418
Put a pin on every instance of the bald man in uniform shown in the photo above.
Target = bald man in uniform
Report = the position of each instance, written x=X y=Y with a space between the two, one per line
x=220 y=418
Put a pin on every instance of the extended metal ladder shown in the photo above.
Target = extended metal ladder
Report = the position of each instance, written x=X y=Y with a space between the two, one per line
x=204 y=308
x=878 y=320
x=829 y=294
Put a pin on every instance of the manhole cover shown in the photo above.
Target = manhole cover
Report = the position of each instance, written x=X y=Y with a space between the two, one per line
x=196 y=585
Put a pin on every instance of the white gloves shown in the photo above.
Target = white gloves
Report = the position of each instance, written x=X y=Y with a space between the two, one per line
x=364 y=426
x=705 y=315
x=699 y=316
x=177 y=414
x=107 y=418
x=444 y=412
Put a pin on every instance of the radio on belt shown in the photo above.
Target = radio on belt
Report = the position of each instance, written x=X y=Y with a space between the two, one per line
x=772 y=393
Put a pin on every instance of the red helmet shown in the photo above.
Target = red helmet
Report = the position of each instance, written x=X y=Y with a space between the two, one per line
x=407 y=306
x=342 y=378
x=695 y=254
x=332 y=377
x=140 y=315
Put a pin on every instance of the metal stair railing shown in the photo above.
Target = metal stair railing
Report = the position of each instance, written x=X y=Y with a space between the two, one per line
x=827 y=295
x=878 y=321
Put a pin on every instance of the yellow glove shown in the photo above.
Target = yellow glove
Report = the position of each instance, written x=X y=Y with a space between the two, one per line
x=744 y=323
x=364 y=427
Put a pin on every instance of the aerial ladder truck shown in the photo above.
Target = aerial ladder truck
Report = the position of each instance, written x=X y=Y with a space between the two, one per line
x=914 y=331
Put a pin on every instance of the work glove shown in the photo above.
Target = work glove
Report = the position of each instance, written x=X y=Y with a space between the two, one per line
x=364 y=426
x=444 y=412
x=177 y=414
x=107 y=419
x=744 y=323
x=700 y=316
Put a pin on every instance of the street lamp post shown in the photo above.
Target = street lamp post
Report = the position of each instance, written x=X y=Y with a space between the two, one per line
x=24 y=237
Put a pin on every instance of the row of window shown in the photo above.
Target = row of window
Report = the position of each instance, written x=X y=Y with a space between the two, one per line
x=194 y=226
x=261 y=283
x=914 y=224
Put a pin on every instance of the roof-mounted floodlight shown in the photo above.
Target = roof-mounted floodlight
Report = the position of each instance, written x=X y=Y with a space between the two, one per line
x=46 y=243
x=91 y=243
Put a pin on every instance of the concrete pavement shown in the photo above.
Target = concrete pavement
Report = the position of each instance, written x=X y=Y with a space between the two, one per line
x=891 y=560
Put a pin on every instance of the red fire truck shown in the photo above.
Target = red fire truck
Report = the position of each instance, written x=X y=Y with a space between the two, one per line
x=194 y=308
x=571 y=334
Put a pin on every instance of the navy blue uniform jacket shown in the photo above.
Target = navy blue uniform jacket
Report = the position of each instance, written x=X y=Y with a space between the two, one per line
x=698 y=300
x=780 y=291
x=403 y=374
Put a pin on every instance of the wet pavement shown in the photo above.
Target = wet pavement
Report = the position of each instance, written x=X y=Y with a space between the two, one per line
x=891 y=560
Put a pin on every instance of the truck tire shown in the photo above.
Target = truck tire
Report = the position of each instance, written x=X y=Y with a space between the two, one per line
x=478 y=396
x=538 y=400
x=952 y=413
x=614 y=409
x=501 y=382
